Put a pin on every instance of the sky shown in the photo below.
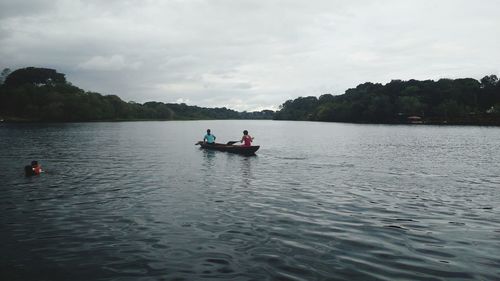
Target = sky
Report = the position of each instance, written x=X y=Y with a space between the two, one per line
x=248 y=54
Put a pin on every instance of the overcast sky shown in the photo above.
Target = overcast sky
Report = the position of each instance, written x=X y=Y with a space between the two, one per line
x=248 y=54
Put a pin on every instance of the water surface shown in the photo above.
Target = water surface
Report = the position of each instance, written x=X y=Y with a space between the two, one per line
x=319 y=201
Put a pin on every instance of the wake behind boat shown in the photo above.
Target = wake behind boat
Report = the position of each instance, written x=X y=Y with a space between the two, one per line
x=229 y=147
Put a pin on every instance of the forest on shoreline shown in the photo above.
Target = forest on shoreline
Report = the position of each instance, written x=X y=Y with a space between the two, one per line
x=446 y=101
x=43 y=95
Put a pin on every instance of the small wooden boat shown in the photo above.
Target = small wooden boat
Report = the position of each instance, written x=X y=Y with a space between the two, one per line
x=239 y=149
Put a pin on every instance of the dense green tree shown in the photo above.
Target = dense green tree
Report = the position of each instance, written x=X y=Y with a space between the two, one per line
x=41 y=94
x=461 y=101
x=409 y=105
x=490 y=91
x=301 y=108
x=3 y=75
x=34 y=76
x=489 y=81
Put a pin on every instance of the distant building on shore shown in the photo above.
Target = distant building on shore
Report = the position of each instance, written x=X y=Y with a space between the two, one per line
x=415 y=119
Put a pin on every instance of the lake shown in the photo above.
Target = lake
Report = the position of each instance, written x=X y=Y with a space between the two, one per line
x=319 y=201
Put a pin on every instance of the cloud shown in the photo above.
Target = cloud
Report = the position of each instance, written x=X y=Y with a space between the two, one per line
x=248 y=54
x=112 y=63
x=23 y=8
x=181 y=100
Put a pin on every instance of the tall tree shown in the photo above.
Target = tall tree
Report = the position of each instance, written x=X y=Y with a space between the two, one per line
x=4 y=74
x=34 y=76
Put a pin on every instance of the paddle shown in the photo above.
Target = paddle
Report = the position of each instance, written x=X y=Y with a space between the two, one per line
x=231 y=142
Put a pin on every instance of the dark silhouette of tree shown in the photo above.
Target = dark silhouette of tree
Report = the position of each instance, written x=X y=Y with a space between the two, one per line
x=301 y=108
x=41 y=94
x=459 y=101
x=34 y=76
x=4 y=74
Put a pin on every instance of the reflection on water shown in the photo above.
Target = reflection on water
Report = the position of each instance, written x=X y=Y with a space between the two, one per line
x=209 y=157
x=132 y=201
x=246 y=170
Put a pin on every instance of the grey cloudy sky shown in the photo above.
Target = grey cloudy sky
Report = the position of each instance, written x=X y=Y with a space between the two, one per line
x=248 y=54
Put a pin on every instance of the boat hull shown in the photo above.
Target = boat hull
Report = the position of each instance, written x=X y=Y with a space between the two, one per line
x=238 y=149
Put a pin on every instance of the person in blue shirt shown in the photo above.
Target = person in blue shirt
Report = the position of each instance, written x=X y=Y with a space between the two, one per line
x=209 y=138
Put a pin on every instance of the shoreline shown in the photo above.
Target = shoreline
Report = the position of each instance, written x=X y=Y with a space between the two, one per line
x=489 y=123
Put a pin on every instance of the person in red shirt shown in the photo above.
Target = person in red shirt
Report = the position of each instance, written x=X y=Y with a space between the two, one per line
x=37 y=168
x=246 y=139
x=34 y=169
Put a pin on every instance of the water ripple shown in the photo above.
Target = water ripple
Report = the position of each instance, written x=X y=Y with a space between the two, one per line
x=136 y=201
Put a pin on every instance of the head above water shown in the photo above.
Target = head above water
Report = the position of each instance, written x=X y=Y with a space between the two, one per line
x=208 y=131
x=245 y=132
x=34 y=163
x=28 y=170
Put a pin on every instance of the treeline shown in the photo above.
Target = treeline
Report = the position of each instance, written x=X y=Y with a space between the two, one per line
x=458 y=101
x=41 y=94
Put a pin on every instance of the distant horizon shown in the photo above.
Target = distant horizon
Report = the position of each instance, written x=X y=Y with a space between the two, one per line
x=274 y=108
x=305 y=95
x=248 y=55
x=257 y=110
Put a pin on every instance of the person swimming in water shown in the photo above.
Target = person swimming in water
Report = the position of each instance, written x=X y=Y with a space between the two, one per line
x=34 y=169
